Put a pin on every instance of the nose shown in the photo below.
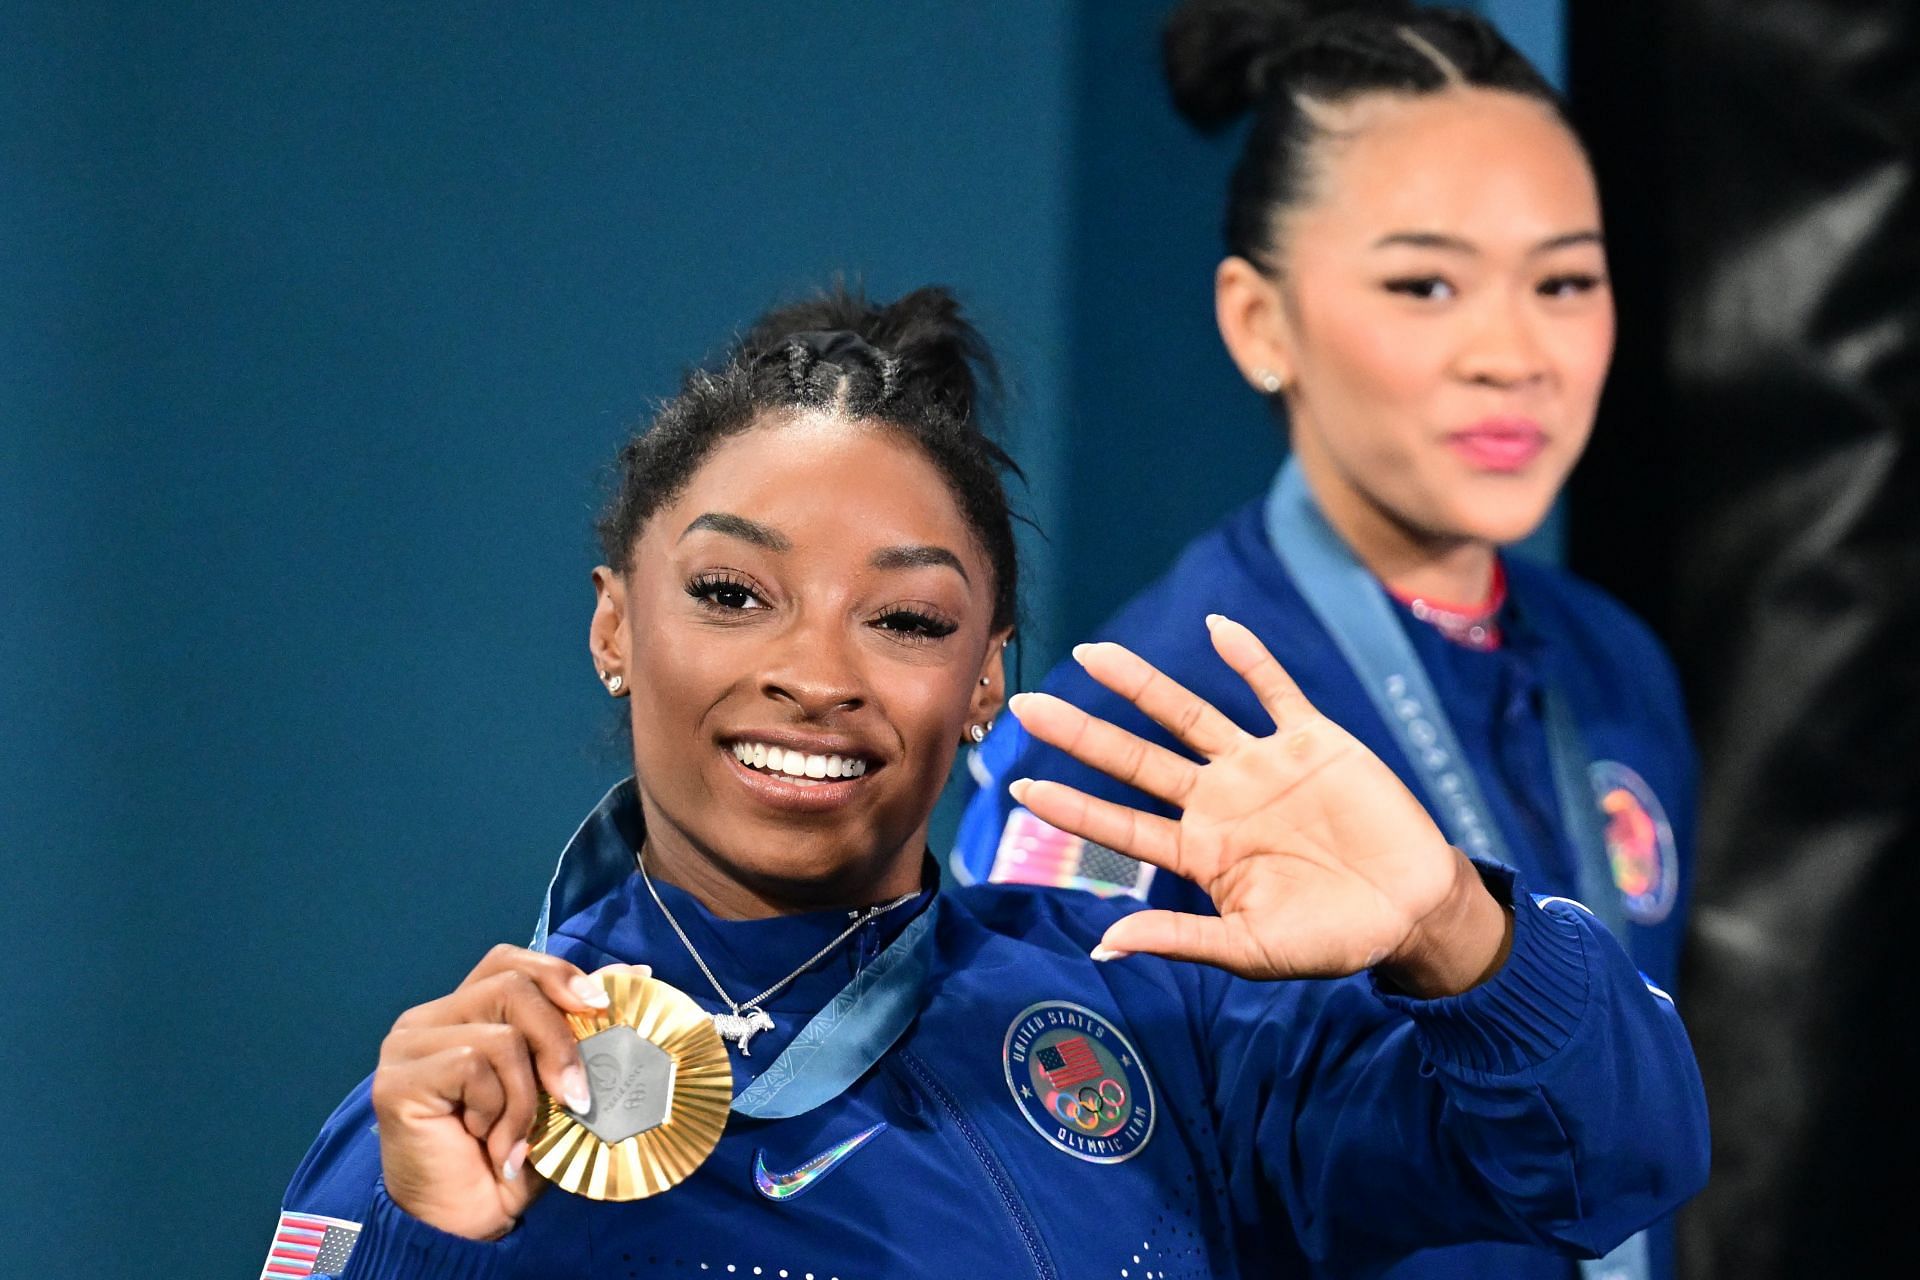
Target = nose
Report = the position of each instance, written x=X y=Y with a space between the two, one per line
x=815 y=670
x=1504 y=350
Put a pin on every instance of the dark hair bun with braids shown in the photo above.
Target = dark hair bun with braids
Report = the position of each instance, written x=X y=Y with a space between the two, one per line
x=916 y=366
x=1228 y=57
x=938 y=351
x=1220 y=55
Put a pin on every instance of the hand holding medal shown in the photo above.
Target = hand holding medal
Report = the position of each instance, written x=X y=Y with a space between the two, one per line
x=1319 y=860
x=463 y=1079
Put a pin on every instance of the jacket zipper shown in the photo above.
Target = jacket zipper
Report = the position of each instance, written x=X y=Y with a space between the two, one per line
x=1016 y=1212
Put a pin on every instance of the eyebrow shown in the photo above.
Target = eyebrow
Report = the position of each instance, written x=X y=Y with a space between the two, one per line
x=1454 y=244
x=918 y=558
x=740 y=527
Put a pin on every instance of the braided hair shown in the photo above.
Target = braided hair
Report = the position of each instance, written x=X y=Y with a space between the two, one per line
x=1289 y=61
x=915 y=366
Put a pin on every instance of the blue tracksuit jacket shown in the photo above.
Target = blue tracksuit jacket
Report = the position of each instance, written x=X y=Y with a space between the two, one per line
x=1613 y=674
x=1255 y=1126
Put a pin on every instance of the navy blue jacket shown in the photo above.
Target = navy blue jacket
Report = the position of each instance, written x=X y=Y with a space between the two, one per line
x=1614 y=675
x=1265 y=1124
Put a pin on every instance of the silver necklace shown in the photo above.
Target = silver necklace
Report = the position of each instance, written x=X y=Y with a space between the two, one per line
x=747 y=1017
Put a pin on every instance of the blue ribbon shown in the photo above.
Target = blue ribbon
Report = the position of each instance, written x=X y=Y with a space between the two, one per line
x=843 y=1041
x=1356 y=611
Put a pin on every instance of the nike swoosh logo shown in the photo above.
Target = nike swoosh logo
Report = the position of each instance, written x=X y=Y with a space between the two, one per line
x=785 y=1186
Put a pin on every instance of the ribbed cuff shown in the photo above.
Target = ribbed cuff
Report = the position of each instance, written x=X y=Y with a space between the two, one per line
x=1527 y=1011
x=394 y=1243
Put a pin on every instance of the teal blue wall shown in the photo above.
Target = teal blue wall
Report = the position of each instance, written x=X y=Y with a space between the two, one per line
x=317 y=324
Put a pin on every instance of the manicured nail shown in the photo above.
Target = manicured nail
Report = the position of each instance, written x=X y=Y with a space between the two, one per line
x=1215 y=619
x=591 y=993
x=1017 y=701
x=1103 y=952
x=1018 y=788
x=1081 y=652
x=510 y=1167
x=573 y=1090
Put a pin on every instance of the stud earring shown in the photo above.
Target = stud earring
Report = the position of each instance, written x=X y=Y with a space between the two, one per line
x=977 y=732
x=614 y=683
x=1270 y=381
x=984 y=682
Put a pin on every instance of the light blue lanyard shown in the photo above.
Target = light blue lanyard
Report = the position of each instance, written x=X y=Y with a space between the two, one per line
x=843 y=1041
x=836 y=1047
x=1355 y=610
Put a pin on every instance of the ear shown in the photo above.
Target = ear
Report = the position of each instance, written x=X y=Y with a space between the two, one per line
x=607 y=634
x=990 y=686
x=1252 y=316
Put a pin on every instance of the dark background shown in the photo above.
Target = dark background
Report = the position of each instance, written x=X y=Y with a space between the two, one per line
x=318 y=324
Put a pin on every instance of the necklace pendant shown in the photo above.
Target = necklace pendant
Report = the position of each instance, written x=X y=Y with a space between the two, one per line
x=742 y=1026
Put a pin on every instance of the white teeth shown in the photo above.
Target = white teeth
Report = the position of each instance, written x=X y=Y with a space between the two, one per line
x=797 y=764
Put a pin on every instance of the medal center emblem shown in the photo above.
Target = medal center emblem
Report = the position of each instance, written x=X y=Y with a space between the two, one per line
x=630 y=1080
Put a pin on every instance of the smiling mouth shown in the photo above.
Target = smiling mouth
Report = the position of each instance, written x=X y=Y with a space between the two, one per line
x=798 y=765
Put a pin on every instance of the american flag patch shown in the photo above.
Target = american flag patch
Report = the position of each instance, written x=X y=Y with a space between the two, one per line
x=307 y=1244
x=1035 y=852
x=1070 y=1062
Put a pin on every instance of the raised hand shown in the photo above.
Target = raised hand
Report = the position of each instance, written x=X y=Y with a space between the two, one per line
x=1319 y=860
x=458 y=1085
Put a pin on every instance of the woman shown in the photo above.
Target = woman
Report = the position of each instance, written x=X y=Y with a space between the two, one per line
x=809 y=582
x=1416 y=279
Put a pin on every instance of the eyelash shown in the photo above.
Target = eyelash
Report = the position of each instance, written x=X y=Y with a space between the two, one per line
x=706 y=588
x=1419 y=288
x=920 y=625
x=910 y=624
x=1577 y=282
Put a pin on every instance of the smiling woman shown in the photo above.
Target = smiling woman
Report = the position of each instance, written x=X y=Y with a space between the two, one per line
x=809 y=581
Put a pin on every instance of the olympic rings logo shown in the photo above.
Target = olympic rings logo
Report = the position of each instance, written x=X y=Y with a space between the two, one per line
x=1092 y=1107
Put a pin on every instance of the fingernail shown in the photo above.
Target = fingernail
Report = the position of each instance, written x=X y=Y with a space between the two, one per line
x=1103 y=952
x=1017 y=701
x=510 y=1167
x=573 y=1091
x=1215 y=619
x=1018 y=788
x=590 y=992
x=1081 y=653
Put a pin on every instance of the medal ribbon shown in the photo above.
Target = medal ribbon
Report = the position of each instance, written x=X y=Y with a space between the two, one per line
x=1357 y=612
x=843 y=1041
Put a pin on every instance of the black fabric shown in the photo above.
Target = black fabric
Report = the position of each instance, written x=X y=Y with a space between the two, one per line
x=1754 y=489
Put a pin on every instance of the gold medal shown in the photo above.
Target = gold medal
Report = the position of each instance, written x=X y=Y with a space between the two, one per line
x=662 y=1087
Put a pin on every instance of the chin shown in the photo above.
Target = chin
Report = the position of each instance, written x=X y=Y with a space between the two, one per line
x=801 y=866
x=1498 y=514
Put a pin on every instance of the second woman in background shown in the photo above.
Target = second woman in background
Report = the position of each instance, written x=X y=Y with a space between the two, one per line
x=1416 y=280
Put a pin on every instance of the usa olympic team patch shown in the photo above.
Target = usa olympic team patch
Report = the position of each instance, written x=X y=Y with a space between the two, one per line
x=1079 y=1082
x=1640 y=845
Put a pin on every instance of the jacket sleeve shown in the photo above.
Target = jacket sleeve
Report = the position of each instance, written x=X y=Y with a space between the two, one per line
x=338 y=1184
x=1557 y=1104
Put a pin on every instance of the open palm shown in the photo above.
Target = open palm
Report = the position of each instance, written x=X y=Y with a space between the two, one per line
x=1318 y=859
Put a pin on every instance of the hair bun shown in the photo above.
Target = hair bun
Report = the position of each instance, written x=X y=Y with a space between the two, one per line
x=940 y=353
x=1219 y=55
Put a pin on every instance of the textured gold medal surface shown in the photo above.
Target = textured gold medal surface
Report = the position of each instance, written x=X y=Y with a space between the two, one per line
x=662 y=1087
